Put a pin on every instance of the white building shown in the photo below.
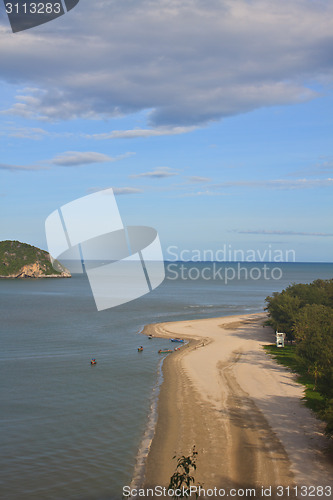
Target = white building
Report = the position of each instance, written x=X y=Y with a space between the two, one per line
x=280 y=339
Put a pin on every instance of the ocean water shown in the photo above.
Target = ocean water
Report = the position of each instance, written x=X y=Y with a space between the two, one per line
x=69 y=430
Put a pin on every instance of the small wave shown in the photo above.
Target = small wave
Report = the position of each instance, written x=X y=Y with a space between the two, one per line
x=202 y=306
x=142 y=455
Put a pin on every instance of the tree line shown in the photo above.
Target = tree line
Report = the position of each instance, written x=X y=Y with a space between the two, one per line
x=305 y=313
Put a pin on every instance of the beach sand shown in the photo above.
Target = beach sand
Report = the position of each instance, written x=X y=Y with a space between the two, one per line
x=242 y=411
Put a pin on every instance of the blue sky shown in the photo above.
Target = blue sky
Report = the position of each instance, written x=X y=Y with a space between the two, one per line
x=212 y=123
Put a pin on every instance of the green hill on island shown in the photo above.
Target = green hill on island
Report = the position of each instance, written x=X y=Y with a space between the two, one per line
x=20 y=260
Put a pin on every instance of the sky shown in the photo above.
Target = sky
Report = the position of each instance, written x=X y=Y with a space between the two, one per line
x=211 y=120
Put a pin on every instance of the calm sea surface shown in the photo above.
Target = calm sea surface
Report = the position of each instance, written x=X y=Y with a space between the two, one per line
x=69 y=430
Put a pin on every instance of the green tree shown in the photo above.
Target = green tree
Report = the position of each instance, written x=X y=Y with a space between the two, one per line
x=314 y=334
x=282 y=308
x=182 y=479
x=316 y=371
x=305 y=313
x=329 y=418
x=317 y=292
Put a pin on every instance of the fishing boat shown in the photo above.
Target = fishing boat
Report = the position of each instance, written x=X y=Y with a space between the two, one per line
x=93 y=362
x=164 y=351
x=140 y=349
x=150 y=337
x=178 y=340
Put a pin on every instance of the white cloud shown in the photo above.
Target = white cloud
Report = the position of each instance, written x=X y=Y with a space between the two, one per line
x=197 y=178
x=158 y=173
x=186 y=62
x=323 y=167
x=67 y=159
x=140 y=132
x=283 y=233
x=30 y=133
x=127 y=190
x=203 y=193
x=27 y=168
x=117 y=190
x=282 y=184
x=77 y=158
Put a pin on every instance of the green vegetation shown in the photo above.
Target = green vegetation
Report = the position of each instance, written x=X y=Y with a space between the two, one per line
x=305 y=313
x=182 y=479
x=14 y=256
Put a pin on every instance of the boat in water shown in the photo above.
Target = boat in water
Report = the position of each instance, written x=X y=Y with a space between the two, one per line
x=178 y=340
x=163 y=351
x=140 y=349
x=93 y=362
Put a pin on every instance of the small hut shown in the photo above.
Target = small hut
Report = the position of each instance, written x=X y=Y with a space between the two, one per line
x=280 y=339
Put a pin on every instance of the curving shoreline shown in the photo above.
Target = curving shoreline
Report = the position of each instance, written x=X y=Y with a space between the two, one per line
x=242 y=411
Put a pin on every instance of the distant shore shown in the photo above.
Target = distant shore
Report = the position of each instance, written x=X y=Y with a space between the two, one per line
x=242 y=411
x=35 y=277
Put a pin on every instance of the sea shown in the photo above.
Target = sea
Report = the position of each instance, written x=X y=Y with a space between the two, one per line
x=70 y=430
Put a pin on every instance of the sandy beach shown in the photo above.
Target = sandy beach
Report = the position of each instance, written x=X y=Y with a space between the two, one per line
x=242 y=411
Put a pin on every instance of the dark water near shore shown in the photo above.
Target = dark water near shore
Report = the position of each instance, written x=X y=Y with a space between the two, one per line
x=69 y=430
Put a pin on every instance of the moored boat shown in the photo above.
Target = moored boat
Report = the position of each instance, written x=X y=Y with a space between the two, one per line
x=163 y=351
x=178 y=340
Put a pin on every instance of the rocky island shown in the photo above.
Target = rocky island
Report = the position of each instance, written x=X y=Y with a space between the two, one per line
x=20 y=260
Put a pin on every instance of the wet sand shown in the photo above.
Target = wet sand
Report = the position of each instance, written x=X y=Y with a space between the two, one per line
x=242 y=411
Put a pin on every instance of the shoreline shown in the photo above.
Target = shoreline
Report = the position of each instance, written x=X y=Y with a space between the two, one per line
x=141 y=456
x=222 y=393
x=53 y=276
